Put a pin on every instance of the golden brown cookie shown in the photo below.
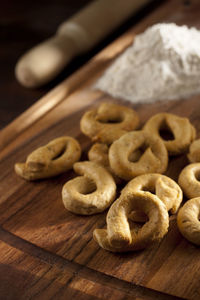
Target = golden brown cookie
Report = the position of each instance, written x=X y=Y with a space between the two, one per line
x=181 y=130
x=54 y=158
x=189 y=180
x=188 y=220
x=119 y=237
x=194 y=151
x=99 y=154
x=90 y=193
x=108 y=122
x=166 y=189
x=152 y=156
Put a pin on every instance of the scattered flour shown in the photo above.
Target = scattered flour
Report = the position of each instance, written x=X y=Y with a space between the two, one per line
x=163 y=63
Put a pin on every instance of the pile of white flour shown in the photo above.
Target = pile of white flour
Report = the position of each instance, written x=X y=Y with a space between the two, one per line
x=163 y=63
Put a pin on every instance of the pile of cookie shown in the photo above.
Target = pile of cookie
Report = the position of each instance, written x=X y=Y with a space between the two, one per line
x=121 y=153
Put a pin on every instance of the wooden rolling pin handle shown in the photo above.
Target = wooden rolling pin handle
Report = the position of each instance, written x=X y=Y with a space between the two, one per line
x=45 y=61
x=75 y=36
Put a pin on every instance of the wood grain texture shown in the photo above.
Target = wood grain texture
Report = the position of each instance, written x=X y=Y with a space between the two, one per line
x=36 y=274
x=34 y=221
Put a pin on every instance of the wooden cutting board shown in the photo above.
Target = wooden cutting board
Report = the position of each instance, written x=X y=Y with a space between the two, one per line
x=47 y=251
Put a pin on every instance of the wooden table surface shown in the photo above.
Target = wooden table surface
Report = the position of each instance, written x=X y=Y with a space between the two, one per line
x=47 y=252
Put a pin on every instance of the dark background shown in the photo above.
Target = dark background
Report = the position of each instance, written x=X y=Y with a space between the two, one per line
x=24 y=24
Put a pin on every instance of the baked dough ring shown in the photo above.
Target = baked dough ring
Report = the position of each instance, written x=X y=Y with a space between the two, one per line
x=90 y=193
x=194 y=151
x=153 y=159
x=189 y=180
x=99 y=154
x=108 y=122
x=166 y=189
x=188 y=220
x=54 y=158
x=183 y=131
x=118 y=237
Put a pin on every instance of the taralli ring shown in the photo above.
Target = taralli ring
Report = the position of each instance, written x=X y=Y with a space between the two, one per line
x=194 y=151
x=108 y=122
x=54 y=158
x=166 y=189
x=181 y=131
x=188 y=220
x=90 y=193
x=189 y=180
x=99 y=154
x=118 y=237
x=152 y=156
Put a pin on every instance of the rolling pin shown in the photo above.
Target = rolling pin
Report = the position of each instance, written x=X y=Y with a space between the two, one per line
x=75 y=36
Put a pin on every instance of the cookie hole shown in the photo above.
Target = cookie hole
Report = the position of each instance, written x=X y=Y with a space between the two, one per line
x=59 y=154
x=137 y=217
x=88 y=188
x=136 y=155
x=150 y=189
x=197 y=175
x=165 y=132
x=135 y=226
x=111 y=120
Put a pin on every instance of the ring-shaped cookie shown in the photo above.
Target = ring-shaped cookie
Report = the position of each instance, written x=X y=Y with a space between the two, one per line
x=118 y=237
x=166 y=189
x=194 y=151
x=153 y=155
x=183 y=132
x=99 y=154
x=108 y=122
x=188 y=220
x=90 y=193
x=54 y=158
x=189 y=180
